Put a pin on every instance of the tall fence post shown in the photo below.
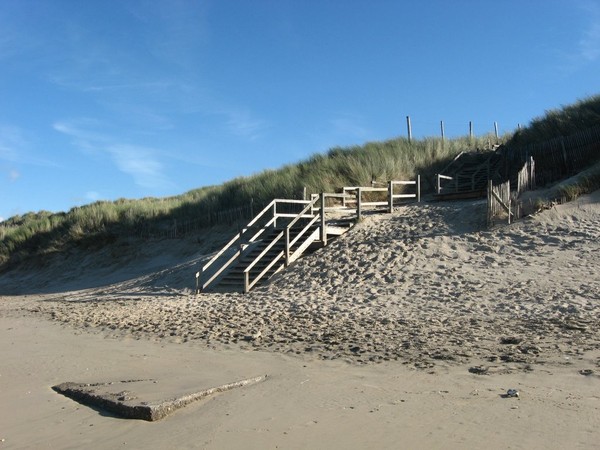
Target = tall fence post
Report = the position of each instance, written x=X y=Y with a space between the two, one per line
x=470 y=130
x=418 y=188
x=442 y=130
x=496 y=131
x=409 y=128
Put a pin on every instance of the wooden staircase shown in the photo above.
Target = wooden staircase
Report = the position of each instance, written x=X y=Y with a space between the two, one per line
x=286 y=229
x=467 y=176
x=268 y=244
x=234 y=279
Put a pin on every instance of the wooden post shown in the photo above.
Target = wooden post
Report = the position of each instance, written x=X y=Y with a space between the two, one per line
x=496 y=130
x=246 y=282
x=489 y=203
x=509 y=205
x=470 y=130
x=287 y=246
x=442 y=129
x=323 y=224
x=359 y=204
x=275 y=215
x=439 y=183
x=304 y=193
x=418 y=188
x=390 y=196
x=409 y=128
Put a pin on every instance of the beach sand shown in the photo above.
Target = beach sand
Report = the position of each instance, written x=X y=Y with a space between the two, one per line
x=404 y=333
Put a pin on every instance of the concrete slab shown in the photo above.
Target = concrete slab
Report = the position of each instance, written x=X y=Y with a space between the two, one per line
x=148 y=399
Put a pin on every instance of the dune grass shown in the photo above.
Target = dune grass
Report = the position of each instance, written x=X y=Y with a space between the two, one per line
x=565 y=121
x=102 y=222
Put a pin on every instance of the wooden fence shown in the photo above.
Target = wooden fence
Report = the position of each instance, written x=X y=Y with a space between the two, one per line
x=502 y=203
x=526 y=177
x=556 y=158
x=499 y=202
x=354 y=196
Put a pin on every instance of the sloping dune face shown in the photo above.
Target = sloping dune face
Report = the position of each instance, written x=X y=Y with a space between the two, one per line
x=423 y=285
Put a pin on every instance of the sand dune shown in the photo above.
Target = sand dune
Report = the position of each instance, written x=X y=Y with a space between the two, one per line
x=425 y=292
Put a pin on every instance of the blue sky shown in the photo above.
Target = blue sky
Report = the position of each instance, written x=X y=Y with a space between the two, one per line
x=104 y=99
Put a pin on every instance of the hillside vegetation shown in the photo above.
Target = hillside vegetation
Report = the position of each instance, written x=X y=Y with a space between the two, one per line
x=100 y=223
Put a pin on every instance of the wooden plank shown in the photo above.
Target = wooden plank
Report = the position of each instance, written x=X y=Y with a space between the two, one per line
x=501 y=202
x=374 y=203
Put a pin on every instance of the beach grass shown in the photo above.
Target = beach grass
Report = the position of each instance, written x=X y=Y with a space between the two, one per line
x=39 y=233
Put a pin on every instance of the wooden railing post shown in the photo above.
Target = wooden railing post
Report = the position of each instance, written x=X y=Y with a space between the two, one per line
x=275 y=215
x=418 y=188
x=323 y=224
x=359 y=203
x=246 y=282
x=439 y=187
x=287 y=246
x=390 y=197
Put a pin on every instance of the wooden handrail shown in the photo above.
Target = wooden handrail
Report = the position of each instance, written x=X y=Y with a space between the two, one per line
x=218 y=272
x=272 y=206
x=308 y=212
x=301 y=214
x=248 y=284
x=247 y=270
x=236 y=237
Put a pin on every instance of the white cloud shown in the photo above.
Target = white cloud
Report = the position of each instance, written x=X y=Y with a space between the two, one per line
x=92 y=196
x=349 y=125
x=589 y=45
x=243 y=124
x=141 y=163
x=15 y=147
x=12 y=143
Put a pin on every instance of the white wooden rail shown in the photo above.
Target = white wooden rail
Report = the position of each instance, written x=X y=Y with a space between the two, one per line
x=241 y=246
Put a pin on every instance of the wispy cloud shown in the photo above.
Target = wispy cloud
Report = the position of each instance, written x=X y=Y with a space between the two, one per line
x=92 y=196
x=349 y=125
x=589 y=45
x=141 y=163
x=245 y=125
x=11 y=143
x=15 y=147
